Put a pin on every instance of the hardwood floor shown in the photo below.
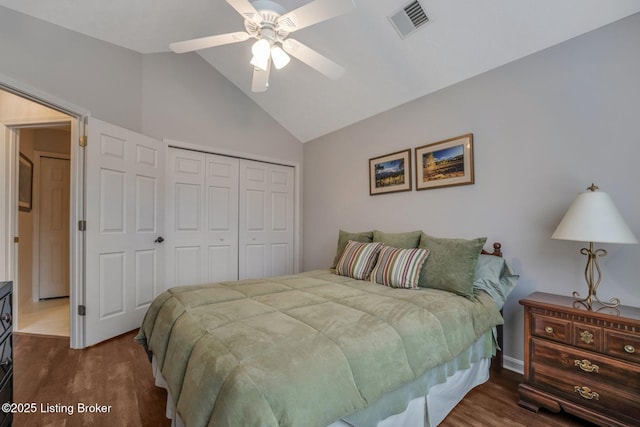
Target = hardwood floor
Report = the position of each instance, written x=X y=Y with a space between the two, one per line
x=495 y=403
x=117 y=373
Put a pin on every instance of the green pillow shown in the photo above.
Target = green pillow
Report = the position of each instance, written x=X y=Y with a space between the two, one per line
x=496 y=277
x=345 y=236
x=408 y=240
x=451 y=265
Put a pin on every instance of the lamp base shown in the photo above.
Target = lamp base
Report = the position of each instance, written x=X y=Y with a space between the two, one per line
x=592 y=281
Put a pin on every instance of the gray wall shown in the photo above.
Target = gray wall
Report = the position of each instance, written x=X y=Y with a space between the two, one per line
x=186 y=99
x=86 y=72
x=180 y=97
x=544 y=128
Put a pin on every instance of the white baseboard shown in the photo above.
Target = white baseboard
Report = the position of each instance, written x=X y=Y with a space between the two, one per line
x=512 y=364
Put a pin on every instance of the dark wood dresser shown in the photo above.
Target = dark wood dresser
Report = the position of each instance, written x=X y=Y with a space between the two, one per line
x=6 y=350
x=584 y=362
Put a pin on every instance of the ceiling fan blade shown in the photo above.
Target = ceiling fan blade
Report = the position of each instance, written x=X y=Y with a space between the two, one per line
x=211 y=41
x=246 y=9
x=313 y=59
x=314 y=12
x=260 y=81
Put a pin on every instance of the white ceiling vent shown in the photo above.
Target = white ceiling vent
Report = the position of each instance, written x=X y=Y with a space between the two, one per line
x=408 y=19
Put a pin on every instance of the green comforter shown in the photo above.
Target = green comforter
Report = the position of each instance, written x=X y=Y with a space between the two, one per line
x=301 y=350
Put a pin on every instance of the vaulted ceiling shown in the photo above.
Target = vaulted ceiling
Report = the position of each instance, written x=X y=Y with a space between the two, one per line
x=463 y=38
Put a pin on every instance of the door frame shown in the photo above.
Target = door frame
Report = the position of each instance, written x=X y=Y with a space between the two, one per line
x=9 y=160
x=35 y=253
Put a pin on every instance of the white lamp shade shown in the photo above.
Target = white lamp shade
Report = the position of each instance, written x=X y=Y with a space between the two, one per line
x=594 y=218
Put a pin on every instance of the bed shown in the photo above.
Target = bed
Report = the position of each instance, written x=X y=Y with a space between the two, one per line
x=322 y=349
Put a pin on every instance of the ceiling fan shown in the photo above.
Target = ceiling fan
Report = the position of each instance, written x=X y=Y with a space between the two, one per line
x=267 y=22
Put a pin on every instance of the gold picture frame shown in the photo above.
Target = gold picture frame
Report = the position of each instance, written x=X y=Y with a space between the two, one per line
x=445 y=163
x=390 y=173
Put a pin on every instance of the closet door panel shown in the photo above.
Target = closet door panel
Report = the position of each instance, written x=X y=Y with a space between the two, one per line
x=203 y=220
x=187 y=265
x=185 y=228
x=253 y=217
x=266 y=219
x=282 y=208
x=222 y=218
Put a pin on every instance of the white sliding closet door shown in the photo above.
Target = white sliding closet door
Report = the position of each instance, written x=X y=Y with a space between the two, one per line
x=124 y=219
x=202 y=218
x=266 y=219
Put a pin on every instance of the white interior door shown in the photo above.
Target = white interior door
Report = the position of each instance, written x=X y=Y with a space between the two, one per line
x=53 y=217
x=124 y=214
x=266 y=220
x=202 y=218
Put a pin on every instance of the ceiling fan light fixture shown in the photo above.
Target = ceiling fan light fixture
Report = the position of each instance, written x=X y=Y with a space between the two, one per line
x=261 y=51
x=260 y=62
x=261 y=48
x=279 y=57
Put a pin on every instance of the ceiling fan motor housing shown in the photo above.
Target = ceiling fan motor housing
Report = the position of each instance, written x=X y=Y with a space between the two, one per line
x=268 y=28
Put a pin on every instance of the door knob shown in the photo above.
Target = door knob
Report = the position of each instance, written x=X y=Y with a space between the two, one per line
x=160 y=239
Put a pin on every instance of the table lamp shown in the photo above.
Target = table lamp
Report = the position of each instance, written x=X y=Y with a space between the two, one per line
x=594 y=218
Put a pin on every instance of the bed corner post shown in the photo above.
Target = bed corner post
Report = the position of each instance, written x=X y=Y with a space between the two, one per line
x=497 y=249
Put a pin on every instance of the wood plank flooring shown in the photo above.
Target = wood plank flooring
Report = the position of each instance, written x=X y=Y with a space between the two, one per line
x=117 y=373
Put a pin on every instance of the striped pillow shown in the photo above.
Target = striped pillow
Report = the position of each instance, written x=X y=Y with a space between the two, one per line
x=358 y=259
x=399 y=268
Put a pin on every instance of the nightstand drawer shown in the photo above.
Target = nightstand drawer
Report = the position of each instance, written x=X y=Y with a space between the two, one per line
x=594 y=395
x=622 y=345
x=551 y=328
x=585 y=366
x=587 y=336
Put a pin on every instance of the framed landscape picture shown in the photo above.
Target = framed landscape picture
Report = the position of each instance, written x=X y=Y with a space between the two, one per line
x=445 y=163
x=25 y=183
x=390 y=173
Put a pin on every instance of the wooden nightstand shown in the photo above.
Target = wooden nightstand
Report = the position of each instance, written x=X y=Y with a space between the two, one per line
x=584 y=362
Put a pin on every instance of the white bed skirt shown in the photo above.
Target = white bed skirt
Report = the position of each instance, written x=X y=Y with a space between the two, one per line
x=424 y=411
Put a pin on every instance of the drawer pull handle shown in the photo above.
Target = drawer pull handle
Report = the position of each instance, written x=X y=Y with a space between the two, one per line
x=586 y=337
x=548 y=329
x=6 y=317
x=586 y=366
x=629 y=349
x=586 y=393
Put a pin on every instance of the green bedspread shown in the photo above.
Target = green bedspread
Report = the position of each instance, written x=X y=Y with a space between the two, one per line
x=301 y=350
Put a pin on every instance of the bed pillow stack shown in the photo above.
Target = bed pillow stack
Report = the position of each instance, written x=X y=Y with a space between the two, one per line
x=416 y=259
x=392 y=259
